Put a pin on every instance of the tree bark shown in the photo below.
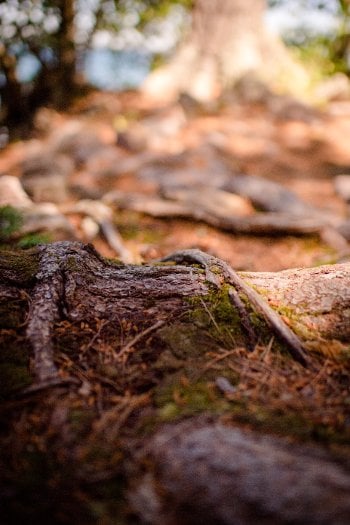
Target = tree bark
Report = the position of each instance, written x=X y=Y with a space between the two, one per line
x=227 y=41
x=14 y=108
x=305 y=309
x=66 y=55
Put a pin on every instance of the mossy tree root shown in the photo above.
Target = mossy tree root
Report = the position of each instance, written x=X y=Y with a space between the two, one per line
x=69 y=281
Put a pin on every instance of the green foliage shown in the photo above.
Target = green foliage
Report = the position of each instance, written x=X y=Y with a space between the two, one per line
x=42 y=31
x=321 y=57
x=324 y=52
x=10 y=222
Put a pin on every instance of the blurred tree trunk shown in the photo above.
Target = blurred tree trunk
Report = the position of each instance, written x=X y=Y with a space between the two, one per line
x=66 y=54
x=227 y=41
x=56 y=82
x=12 y=102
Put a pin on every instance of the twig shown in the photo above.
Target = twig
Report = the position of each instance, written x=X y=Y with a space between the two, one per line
x=115 y=241
x=126 y=349
x=210 y=316
x=281 y=330
x=236 y=302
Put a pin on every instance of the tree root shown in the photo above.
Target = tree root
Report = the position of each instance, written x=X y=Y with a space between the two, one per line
x=71 y=282
x=279 y=328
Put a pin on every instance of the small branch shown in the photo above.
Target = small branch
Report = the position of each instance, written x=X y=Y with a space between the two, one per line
x=236 y=302
x=123 y=353
x=274 y=321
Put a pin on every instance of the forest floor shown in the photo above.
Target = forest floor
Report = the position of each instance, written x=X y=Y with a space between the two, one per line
x=302 y=149
x=67 y=452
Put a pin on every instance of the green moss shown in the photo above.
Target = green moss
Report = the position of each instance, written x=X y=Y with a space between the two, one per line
x=295 y=321
x=10 y=222
x=169 y=411
x=223 y=310
x=268 y=420
x=179 y=397
x=33 y=239
x=186 y=340
x=24 y=263
x=215 y=314
x=132 y=227
x=80 y=420
x=286 y=423
x=14 y=376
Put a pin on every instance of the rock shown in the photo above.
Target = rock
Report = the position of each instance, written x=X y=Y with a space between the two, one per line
x=342 y=186
x=286 y=108
x=334 y=88
x=200 y=166
x=45 y=176
x=267 y=195
x=344 y=229
x=105 y=162
x=151 y=131
x=36 y=216
x=213 y=201
x=46 y=217
x=251 y=89
x=76 y=140
x=12 y=193
x=210 y=473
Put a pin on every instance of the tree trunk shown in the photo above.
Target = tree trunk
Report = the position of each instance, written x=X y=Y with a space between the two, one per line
x=227 y=41
x=14 y=108
x=66 y=55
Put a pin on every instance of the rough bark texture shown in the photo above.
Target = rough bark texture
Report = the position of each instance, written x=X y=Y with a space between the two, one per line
x=227 y=41
x=303 y=308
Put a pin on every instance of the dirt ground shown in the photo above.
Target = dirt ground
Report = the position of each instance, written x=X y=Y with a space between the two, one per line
x=301 y=148
x=69 y=451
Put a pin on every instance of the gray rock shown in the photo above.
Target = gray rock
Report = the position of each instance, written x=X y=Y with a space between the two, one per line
x=213 y=474
x=45 y=176
x=342 y=186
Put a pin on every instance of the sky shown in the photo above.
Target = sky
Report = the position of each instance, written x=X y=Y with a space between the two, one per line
x=293 y=16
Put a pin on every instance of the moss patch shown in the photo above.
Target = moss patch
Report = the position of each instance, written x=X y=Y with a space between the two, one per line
x=185 y=340
x=22 y=263
x=181 y=397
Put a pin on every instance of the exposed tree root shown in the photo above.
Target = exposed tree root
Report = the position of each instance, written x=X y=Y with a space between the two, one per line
x=280 y=329
x=73 y=282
